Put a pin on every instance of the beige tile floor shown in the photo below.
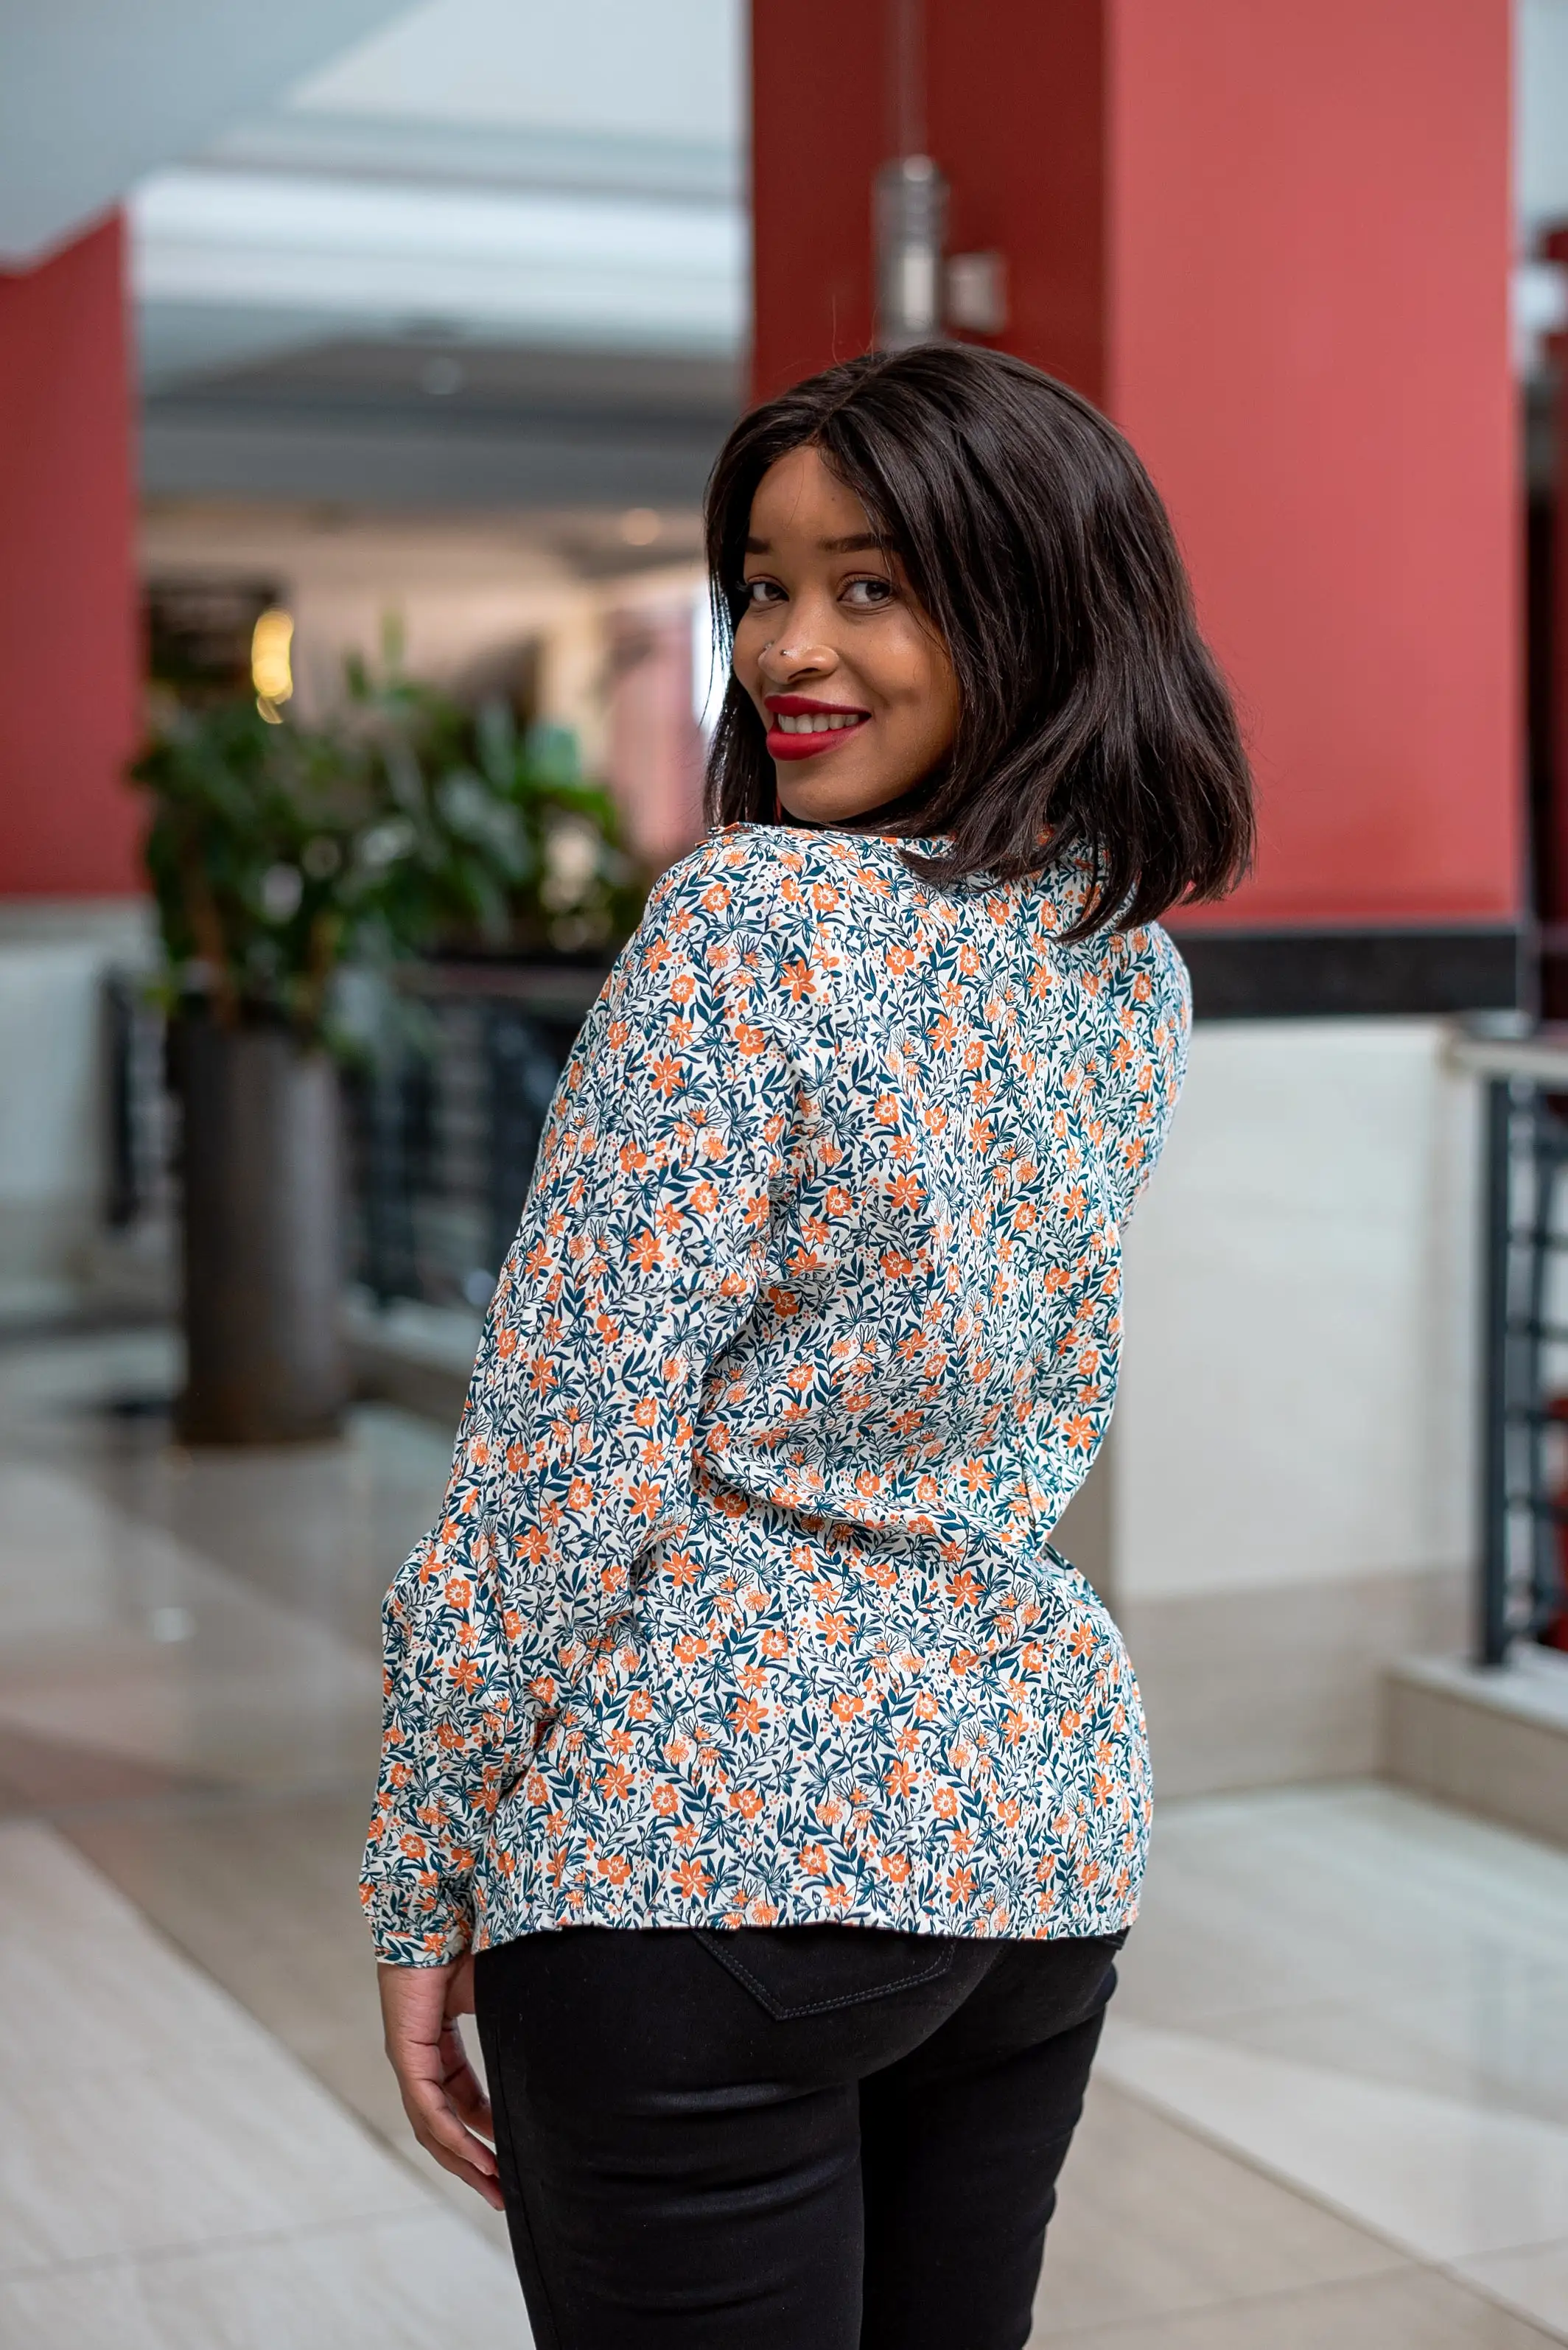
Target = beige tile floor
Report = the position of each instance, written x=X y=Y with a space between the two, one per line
x=1332 y=2109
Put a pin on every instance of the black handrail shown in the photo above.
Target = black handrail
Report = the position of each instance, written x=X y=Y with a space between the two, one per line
x=446 y=1094
x=445 y=1117
x=1492 y=1629
x=1521 y=1592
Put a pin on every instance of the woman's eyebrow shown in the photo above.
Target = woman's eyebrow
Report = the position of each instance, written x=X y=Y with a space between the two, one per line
x=862 y=543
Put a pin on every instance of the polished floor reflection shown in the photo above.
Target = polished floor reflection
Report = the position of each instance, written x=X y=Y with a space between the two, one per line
x=1334 y=2106
x=1375 y=2013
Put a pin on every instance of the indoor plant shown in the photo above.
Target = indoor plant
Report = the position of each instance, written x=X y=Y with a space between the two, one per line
x=494 y=842
x=261 y=855
x=276 y=853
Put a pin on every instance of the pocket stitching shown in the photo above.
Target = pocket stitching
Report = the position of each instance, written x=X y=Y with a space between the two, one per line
x=734 y=1964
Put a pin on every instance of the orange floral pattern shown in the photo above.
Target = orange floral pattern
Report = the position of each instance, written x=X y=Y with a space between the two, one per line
x=741 y=1609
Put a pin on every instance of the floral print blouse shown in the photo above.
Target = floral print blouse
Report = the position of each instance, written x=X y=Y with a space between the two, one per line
x=741 y=1609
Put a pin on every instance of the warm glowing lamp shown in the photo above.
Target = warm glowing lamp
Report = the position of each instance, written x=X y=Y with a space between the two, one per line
x=272 y=673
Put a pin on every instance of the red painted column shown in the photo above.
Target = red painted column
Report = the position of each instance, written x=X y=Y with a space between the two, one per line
x=1273 y=242
x=1552 y=889
x=69 y=639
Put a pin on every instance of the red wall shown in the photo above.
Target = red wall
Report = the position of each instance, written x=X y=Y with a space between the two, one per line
x=1274 y=242
x=1309 y=273
x=70 y=666
x=1029 y=173
x=818 y=132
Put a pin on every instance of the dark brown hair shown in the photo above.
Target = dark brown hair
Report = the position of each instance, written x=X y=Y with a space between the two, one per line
x=1092 y=720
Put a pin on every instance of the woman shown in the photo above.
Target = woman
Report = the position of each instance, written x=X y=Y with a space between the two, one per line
x=755 y=1767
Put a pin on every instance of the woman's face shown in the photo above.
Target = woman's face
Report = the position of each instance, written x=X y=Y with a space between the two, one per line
x=853 y=683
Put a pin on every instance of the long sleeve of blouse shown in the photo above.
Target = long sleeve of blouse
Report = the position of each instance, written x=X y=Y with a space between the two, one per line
x=806 y=1336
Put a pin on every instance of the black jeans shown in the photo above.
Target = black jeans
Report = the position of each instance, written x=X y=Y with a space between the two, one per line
x=815 y=2138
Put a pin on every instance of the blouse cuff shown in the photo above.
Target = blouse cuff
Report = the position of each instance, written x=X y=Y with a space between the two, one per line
x=432 y=1931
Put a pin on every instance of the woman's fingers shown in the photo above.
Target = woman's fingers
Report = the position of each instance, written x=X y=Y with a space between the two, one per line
x=464 y=2086
x=444 y=2138
x=439 y=2090
x=484 y=2184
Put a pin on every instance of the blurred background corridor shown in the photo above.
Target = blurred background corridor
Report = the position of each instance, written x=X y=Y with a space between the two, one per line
x=360 y=368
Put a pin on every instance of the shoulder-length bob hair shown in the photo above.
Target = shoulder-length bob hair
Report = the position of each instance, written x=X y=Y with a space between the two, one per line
x=1093 y=721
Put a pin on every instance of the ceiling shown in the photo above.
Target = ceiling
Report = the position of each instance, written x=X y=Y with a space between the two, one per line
x=443 y=255
x=97 y=92
x=505 y=168
x=421 y=422
x=495 y=251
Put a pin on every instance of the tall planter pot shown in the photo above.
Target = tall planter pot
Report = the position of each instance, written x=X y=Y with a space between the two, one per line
x=264 y=1221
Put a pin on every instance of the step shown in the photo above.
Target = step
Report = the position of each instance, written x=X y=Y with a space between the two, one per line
x=1489 y=1739
x=419 y=1357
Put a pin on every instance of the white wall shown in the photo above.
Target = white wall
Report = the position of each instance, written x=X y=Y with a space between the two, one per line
x=1298 y=1396
x=1289 y=1494
x=53 y=1169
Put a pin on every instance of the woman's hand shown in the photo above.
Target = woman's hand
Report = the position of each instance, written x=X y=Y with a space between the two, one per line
x=441 y=2094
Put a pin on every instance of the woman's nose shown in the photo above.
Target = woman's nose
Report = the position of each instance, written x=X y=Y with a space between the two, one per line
x=796 y=656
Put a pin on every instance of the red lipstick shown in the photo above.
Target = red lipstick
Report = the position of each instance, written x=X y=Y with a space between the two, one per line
x=782 y=745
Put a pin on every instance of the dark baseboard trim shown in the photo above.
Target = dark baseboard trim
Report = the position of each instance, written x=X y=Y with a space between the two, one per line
x=1323 y=974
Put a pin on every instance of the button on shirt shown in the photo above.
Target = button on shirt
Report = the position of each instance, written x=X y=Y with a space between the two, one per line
x=741 y=1608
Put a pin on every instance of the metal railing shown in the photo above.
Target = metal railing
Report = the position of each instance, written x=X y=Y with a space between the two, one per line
x=444 y=1122
x=445 y=1098
x=1523 y=1583
x=140 y=1122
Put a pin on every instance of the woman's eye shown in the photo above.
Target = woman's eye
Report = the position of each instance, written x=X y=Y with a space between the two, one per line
x=867 y=594
x=762 y=591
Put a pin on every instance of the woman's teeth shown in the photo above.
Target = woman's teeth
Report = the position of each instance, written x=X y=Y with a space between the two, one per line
x=817 y=721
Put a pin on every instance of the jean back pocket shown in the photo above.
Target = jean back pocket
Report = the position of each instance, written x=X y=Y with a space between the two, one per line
x=796 y=1971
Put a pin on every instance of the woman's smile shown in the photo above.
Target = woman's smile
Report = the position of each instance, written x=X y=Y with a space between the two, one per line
x=802 y=727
